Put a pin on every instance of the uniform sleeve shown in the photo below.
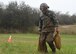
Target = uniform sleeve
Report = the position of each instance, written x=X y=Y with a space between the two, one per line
x=40 y=23
x=52 y=16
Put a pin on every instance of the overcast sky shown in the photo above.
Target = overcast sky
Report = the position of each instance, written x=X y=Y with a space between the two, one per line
x=56 y=5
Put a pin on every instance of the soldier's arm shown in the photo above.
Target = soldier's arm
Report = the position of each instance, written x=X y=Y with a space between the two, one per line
x=52 y=16
x=56 y=22
x=40 y=24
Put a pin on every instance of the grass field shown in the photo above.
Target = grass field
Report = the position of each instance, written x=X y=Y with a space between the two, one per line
x=27 y=44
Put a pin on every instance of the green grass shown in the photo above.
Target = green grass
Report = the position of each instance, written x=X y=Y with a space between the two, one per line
x=28 y=43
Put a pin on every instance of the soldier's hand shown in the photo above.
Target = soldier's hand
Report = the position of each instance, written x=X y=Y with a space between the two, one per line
x=57 y=29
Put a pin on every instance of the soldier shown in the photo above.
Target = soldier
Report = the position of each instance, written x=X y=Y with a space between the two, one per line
x=48 y=24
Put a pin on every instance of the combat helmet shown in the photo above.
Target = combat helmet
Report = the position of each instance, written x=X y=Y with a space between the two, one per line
x=43 y=5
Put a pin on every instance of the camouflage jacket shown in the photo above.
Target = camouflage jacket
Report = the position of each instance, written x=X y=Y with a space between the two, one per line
x=48 y=21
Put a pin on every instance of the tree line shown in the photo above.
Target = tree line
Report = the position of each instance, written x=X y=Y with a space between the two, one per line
x=15 y=18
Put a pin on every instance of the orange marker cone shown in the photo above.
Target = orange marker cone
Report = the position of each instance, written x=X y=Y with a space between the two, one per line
x=10 y=39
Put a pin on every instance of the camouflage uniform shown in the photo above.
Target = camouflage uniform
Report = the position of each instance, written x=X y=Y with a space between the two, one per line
x=47 y=25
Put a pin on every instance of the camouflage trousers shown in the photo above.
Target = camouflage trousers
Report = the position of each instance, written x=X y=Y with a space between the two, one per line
x=46 y=37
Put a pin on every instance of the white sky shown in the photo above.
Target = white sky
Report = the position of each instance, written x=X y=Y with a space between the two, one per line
x=56 y=5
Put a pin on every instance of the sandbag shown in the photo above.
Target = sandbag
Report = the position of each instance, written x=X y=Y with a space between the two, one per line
x=57 y=41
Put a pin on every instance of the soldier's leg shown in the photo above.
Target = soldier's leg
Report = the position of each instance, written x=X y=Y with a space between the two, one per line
x=42 y=43
x=50 y=41
x=52 y=46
